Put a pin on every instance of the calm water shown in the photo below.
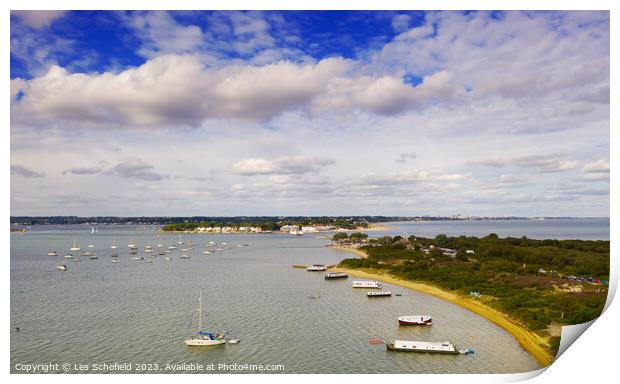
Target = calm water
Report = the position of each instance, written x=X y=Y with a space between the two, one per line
x=100 y=312
x=584 y=229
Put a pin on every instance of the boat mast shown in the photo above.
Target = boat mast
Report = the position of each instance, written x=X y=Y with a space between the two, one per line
x=200 y=312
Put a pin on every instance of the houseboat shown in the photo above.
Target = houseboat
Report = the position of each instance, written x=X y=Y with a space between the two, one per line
x=336 y=275
x=422 y=346
x=379 y=294
x=367 y=284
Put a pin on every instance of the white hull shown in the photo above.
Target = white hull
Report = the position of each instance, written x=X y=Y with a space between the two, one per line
x=203 y=343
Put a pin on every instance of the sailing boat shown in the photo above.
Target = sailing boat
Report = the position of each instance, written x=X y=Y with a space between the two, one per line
x=92 y=230
x=52 y=252
x=204 y=338
x=75 y=246
x=113 y=246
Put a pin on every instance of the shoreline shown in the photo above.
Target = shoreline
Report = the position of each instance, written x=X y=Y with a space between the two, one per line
x=528 y=340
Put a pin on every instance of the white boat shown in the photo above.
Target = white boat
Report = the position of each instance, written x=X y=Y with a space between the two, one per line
x=87 y=253
x=234 y=341
x=206 y=252
x=137 y=258
x=167 y=258
x=61 y=267
x=336 y=275
x=91 y=246
x=75 y=246
x=367 y=284
x=68 y=256
x=132 y=246
x=148 y=250
x=92 y=230
x=52 y=253
x=422 y=346
x=113 y=246
x=201 y=338
x=415 y=320
x=316 y=268
x=379 y=294
x=116 y=261
x=184 y=256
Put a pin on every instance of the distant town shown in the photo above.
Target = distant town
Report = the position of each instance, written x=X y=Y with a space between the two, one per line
x=239 y=220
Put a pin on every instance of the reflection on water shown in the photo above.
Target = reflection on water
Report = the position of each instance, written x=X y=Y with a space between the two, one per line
x=133 y=311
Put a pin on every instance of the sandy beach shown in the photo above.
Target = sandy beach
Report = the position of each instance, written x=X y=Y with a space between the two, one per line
x=529 y=341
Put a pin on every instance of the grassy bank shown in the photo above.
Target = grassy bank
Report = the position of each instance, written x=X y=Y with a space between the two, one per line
x=534 y=344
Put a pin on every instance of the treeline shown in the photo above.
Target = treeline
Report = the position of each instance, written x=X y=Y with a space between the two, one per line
x=269 y=225
x=522 y=277
x=349 y=222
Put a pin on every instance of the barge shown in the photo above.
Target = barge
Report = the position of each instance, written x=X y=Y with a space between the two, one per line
x=422 y=347
x=336 y=275
x=367 y=284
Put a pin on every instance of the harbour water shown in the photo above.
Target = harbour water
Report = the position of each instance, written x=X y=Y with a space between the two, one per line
x=138 y=312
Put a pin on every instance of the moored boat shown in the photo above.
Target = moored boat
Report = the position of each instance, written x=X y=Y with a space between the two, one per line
x=201 y=338
x=379 y=294
x=336 y=275
x=367 y=284
x=316 y=268
x=75 y=247
x=415 y=320
x=61 y=267
x=422 y=347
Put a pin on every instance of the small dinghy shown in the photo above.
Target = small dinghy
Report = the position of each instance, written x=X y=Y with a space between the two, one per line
x=234 y=341
x=61 y=267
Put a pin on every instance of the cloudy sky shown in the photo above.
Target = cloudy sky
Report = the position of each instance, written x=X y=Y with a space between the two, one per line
x=310 y=113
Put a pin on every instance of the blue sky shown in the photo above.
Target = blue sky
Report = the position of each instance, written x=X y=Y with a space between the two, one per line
x=322 y=112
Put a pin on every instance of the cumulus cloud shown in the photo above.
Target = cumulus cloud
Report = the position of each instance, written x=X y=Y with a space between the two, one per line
x=400 y=23
x=136 y=169
x=161 y=34
x=20 y=170
x=281 y=166
x=38 y=19
x=175 y=89
x=545 y=163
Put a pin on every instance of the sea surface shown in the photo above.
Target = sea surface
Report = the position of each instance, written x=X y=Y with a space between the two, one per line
x=584 y=229
x=137 y=312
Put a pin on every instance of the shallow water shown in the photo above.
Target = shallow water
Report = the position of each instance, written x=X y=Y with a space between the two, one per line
x=136 y=312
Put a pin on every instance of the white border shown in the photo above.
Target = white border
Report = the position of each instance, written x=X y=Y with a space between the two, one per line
x=592 y=358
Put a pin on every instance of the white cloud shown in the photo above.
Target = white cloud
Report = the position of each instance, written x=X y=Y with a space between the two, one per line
x=281 y=166
x=161 y=34
x=38 y=19
x=401 y=22
x=596 y=170
x=545 y=163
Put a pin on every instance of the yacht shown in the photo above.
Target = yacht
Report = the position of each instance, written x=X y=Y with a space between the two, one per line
x=75 y=246
x=201 y=338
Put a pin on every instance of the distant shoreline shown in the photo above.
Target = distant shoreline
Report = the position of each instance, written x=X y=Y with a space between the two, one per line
x=532 y=343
